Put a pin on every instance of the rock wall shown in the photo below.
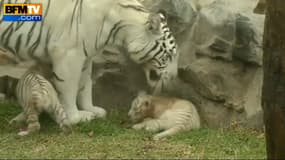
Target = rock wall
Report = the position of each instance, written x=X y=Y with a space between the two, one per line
x=220 y=67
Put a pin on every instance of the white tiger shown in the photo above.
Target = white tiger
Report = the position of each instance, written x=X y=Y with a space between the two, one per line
x=36 y=94
x=166 y=114
x=74 y=31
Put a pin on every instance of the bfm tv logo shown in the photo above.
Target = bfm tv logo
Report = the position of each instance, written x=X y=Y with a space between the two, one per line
x=22 y=12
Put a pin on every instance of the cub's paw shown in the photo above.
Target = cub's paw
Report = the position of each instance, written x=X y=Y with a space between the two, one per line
x=158 y=137
x=151 y=128
x=98 y=111
x=138 y=126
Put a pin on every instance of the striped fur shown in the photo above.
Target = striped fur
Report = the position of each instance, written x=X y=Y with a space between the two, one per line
x=36 y=95
x=74 y=31
x=166 y=114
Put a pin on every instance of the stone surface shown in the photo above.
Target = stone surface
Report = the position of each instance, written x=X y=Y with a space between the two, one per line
x=220 y=59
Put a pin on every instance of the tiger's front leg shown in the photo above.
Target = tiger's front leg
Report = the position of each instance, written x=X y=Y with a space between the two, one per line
x=67 y=67
x=85 y=92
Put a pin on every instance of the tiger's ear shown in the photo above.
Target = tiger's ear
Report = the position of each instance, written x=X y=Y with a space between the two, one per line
x=154 y=23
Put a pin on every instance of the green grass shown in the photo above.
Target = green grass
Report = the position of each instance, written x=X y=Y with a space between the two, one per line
x=110 y=139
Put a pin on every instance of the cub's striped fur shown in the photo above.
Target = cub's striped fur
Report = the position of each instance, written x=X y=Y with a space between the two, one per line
x=36 y=95
x=166 y=114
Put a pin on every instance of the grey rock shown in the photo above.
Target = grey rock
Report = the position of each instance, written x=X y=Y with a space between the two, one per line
x=248 y=47
x=180 y=13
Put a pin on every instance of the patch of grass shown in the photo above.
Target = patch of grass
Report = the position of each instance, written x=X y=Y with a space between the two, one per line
x=109 y=139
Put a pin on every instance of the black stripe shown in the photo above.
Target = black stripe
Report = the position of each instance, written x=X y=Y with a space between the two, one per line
x=96 y=43
x=35 y=45
x=80 y=10
x=6 y=31
x=81 y=89
x=100 y=33
x=84 y=49
x=169 y=36
x=6 y=37
x=29 y=77
x=152 y=49
x=18 y=43
x=11 y=50
x=112 y=30
x=1 y=8
x=47 y=9
x=170 y=58
x=57 y=77
x=164 y=27
x=30 y=33
x=84 y=68
x=19 y=25
x=27 y=1
x=117 y=31
x=139 y=51
x=47 y=40
x=159 y=64
x=159 y=51
x=10 y=32
x=73 y=13
x=137 y=8
x=7 y=40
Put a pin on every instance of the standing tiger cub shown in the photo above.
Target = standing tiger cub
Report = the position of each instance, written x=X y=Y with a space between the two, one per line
x=36 y=95
x=166 y=114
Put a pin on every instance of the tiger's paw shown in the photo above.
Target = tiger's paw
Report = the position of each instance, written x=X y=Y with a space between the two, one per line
x=80 y=116
x=98 y=111
x=156 y=138
x=24 y=132
x=151 y=128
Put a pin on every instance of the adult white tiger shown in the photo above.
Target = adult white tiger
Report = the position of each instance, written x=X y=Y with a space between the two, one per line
x=73 y=31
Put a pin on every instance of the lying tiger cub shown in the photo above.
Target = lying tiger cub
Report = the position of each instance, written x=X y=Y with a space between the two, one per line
x=166 y=114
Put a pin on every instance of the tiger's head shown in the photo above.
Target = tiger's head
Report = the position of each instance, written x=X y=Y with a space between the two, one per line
x=140 y=108
x=162 y=69
x=152 y=45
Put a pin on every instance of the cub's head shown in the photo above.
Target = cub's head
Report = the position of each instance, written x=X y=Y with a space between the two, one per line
x=141 y=108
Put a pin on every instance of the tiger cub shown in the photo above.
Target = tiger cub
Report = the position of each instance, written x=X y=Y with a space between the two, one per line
x=36 y=95
x=166 y=114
